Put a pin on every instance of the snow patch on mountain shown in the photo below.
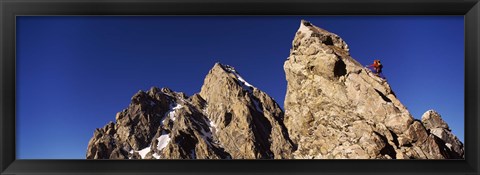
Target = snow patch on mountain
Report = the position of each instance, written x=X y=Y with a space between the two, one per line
x=247 y=86
x=163 y=141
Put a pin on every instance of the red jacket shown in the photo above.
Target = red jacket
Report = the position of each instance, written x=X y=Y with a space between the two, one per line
x=375 y=65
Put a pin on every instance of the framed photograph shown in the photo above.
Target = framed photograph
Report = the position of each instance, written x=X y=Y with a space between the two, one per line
x=239 y=87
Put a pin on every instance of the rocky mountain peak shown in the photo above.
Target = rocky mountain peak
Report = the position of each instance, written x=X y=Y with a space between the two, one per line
x=232 y=101
x=229 y=118
x=227 y=77
x=432 y=119
x=308 y=30
x=336 y=108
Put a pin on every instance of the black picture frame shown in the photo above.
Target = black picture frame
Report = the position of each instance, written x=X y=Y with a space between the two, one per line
x=9 y=9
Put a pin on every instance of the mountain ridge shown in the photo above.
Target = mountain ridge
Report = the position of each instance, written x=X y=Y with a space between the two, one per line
x=334 y=108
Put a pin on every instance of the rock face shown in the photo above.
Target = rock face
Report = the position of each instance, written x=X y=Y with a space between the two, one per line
x=336 y=108
x=228 y=119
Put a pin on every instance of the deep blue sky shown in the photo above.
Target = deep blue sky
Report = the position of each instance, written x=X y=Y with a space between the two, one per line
x=75 y=73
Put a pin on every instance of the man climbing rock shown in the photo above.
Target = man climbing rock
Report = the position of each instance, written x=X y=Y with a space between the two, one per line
x=377 y=67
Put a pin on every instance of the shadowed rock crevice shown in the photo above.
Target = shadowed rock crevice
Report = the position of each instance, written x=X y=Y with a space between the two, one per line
x=385 y=98
x=262 y=130
x=228 y=118
x=394 y=138
x=261 y=127
x=387 y=149
x=340 y=69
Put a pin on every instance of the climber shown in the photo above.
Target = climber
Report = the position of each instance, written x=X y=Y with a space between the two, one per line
x=377 y=67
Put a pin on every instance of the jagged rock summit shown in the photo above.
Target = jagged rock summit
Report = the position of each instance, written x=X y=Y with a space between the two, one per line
x=334 y=108
x=228 y=119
